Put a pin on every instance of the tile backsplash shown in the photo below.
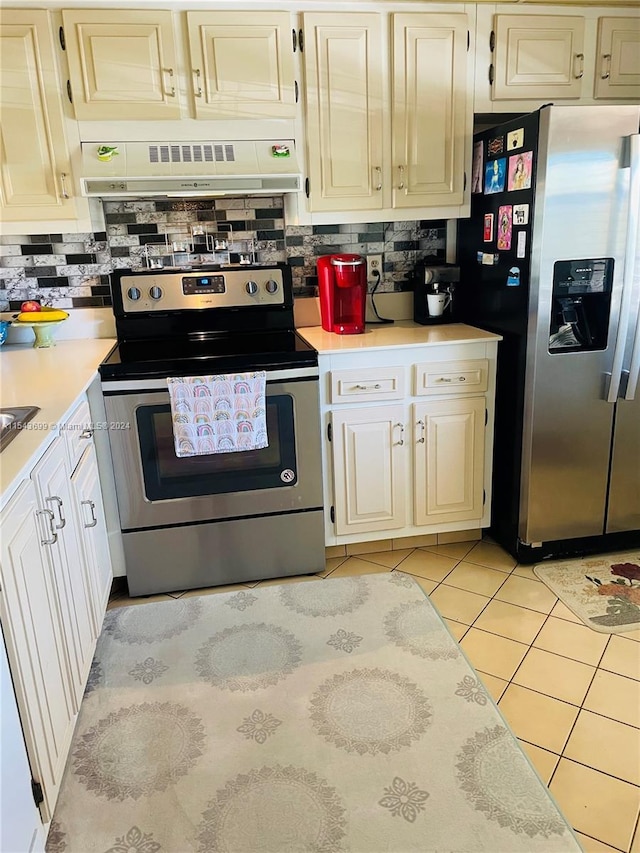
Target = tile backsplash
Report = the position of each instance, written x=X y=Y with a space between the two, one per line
x=72 y=270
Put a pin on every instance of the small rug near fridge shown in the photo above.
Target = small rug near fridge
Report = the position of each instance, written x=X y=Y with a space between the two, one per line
x=604 y=592
x=324 y=716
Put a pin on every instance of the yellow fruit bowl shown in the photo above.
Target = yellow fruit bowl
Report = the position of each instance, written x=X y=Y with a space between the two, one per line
x=43 y=330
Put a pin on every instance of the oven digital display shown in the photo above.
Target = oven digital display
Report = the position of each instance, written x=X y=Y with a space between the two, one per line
x=198 y=284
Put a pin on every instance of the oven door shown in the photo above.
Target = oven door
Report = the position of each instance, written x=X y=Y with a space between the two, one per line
x=156 y=488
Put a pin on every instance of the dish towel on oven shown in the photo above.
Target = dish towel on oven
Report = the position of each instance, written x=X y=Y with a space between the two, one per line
x=218 y=414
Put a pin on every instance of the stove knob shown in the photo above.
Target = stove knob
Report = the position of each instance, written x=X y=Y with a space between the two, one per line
x=271 y=286
x=155 y=292
x=133 y=294
x=251 y=288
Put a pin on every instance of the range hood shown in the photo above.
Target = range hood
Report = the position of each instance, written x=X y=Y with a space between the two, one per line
x=189 y=169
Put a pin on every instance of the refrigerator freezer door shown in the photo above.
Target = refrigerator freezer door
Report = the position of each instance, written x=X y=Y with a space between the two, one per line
x=580 y=213
x=624 y=496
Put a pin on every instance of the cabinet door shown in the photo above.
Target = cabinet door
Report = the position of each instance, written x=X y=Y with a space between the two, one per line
x=242 y=64
x=343 y=58
x=122 y=64
x=538 y=56
x=68 y=568
x=35 y=169
x=429 y=109
x=618 y=58
x=92 y=524
x=370 y=476
x=31 y=623
x=449 y=460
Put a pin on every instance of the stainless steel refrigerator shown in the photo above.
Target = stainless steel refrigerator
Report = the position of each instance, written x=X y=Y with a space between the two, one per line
x=550 y=259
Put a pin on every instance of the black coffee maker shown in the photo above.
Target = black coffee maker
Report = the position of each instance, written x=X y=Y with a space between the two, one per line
x=433 y=293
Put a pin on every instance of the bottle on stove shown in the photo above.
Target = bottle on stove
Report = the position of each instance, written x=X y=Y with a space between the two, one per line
x=342 y=283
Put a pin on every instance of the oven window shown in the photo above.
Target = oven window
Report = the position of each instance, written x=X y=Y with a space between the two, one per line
x=169 y=476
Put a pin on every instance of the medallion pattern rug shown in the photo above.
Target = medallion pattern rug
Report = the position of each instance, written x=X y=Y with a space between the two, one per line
x=603 y=591
x=316 y=716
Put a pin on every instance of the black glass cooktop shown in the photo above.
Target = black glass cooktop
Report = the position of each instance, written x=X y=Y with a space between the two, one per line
x=193 y=356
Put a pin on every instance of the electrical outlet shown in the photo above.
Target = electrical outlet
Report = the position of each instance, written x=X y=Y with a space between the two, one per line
x=374 y=262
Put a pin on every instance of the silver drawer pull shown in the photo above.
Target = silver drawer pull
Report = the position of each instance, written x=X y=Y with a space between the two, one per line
x=86 y=433
x=58 y=502
x=422 y=426
x=395 y=443
x=92 y=507
x=375 y=387
x=50 y=517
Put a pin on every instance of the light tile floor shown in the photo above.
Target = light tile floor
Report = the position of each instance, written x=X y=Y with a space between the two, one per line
x=570 y=694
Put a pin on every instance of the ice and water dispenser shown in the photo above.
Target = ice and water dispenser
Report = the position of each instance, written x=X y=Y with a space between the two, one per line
x=581 y=305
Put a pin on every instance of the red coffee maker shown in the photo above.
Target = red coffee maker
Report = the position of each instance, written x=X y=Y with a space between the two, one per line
x=342 y=282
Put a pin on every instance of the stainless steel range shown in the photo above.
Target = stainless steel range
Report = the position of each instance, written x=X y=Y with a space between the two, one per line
x=225 y=518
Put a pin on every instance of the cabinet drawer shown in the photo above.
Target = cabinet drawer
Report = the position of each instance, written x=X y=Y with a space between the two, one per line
x=367 y=383
x=78 y=431
x=451 y=377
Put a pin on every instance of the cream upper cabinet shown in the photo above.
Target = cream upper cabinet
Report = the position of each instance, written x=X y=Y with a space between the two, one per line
x=122 y=63
x=35 y=168
x=538 y=56
x=242 y=64
x=428 y=109
x=618 y=58
x=386 y=110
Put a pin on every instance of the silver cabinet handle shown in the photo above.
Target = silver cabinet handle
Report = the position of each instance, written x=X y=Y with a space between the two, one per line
x=92 y=507
x=171 y=91
x=422 y=426
x=396 y=443
x=64 y=192
x=379 y=177
x=580 y=58
x=54 y=535
x=375 y=387
x=606 y=66
x=197 y=85
x=58 y=503
x=86 y=433
x=401 y=184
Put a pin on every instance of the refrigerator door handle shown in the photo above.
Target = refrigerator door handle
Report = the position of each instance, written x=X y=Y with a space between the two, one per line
x=633 y=229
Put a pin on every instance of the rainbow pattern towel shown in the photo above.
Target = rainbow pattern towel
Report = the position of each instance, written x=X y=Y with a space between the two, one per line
x=218 y=414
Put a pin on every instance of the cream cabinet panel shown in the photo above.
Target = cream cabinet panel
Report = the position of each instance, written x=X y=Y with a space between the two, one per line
x=122 y=63
x=93 y=530
x=31 y=623
x=67 y=565
x=449 y=460
x=242 y=64
x=429 y=109
x=369 y=469
x=538 y=56
x=343 y=59
x=35 y=181
x=618 y=58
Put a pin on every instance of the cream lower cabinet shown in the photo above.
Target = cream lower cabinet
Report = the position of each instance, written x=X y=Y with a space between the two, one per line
x=35 y=166
x=408 y=442
x=349 y=116
x=55 y=576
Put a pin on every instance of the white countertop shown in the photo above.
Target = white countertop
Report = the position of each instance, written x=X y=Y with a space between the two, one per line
x=403 y=333
x=52 y=378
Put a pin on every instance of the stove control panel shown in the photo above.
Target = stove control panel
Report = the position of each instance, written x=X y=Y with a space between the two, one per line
x=180 y=291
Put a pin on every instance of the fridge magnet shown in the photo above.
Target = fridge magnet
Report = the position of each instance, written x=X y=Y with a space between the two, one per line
x=495 y=146
x=521 y=244
x=520 y=214
x=489 y=259
x=515 y=139
x=513 y=277
x=494 y=176
x=504 y=227
x=488 y=228
x=476 y=171
x=520 y=171
x=479 y=257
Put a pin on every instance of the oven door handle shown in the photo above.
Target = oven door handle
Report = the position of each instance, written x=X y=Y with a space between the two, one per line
x=115 y=386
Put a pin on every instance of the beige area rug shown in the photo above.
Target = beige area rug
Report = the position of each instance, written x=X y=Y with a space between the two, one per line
x=326 y=716
x=603 y=591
